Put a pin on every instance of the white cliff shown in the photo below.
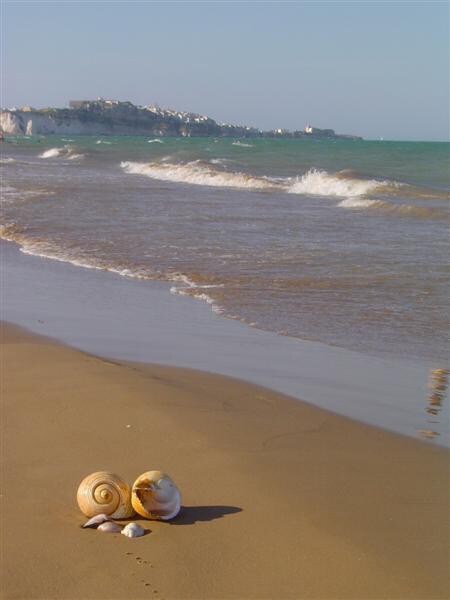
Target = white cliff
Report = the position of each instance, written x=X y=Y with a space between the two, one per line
x=108 y=117
x=32 y=123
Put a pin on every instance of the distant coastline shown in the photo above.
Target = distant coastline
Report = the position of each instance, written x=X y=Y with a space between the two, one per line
x=113 y=117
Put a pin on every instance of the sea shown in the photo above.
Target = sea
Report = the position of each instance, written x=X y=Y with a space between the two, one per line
x=340 y=241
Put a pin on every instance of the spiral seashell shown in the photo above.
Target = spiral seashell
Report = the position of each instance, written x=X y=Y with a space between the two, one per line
x=104 y=492
x=154 y=495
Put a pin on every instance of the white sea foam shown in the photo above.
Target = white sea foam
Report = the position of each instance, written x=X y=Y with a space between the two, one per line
x=198 y=173
x=195 y=290
x=45 y=250
x=357 y=203
x=103 y=142
x=312 y=183
x=52 y=153
x=66 y=152
x=321 y=183
x=155 y=141
x=242 y=144
x=219 y=161
x=7 y=161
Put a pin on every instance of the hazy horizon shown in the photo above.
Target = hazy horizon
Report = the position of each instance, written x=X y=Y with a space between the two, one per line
x=378 y=70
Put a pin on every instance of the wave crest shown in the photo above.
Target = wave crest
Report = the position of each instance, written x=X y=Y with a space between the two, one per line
x=64 y=152
x=321 y=183
x=312 y=183
x=242 y=144
x=198 y=173
x=51 y=153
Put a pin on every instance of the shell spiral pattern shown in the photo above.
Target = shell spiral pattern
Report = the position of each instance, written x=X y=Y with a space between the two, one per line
x=104 y=492
x=155 y=496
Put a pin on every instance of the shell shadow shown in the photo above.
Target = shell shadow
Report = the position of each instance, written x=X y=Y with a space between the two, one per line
x=194 y=514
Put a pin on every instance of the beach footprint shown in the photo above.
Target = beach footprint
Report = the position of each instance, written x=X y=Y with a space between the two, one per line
x=145 y=563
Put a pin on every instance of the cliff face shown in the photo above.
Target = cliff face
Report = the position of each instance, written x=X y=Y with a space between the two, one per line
x=123 y=118
x=34 y=123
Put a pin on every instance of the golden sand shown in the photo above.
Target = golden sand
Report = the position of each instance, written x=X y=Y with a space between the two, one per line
x=281 y=499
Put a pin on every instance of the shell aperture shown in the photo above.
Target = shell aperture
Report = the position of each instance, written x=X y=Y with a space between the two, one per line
x=154 y=495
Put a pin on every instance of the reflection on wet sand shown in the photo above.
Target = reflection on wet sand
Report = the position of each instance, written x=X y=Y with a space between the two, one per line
x=437 y=384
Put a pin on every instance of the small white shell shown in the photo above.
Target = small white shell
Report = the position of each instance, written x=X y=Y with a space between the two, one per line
x=133 y=530
x=96 y=521
x=109 y=527
x=104 y=493
x=154 y=495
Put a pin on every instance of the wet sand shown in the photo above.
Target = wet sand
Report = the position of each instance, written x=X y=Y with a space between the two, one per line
x=133 y=320
x=281 y=499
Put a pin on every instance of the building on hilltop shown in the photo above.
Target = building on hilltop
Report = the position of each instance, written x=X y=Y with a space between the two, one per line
x=79 y=103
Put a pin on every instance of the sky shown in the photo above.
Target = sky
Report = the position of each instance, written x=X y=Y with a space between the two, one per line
x=375 y=69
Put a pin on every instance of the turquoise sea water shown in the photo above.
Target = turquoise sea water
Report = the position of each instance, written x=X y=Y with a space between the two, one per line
x=344 y=242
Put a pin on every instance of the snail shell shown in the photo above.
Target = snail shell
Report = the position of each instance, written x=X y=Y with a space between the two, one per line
x=154 y=495
x=104 y=493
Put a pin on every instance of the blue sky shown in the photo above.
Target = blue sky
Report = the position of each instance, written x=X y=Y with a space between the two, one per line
x=377 y=69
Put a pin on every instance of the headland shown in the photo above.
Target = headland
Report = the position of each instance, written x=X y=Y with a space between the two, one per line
x=113 y=117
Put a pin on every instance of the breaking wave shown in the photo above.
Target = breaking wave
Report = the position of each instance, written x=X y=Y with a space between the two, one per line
x=321 y=183
x=7 y=161
x=198 y=173
x=242 y=144
x=313 y=183
x=155 y=141
x=353 y=192
x=52 y=153
x=65 y=152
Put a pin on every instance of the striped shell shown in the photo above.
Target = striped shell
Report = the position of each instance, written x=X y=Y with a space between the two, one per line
x=104 y=492
x=154 y=495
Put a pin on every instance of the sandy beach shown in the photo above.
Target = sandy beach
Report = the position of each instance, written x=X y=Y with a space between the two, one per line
x=280 y=499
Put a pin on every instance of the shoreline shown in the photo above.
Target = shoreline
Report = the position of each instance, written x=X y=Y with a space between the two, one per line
x=85 y=309
x=281 y=499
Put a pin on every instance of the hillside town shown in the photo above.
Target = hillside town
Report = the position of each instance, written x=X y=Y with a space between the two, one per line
x=115 y=117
